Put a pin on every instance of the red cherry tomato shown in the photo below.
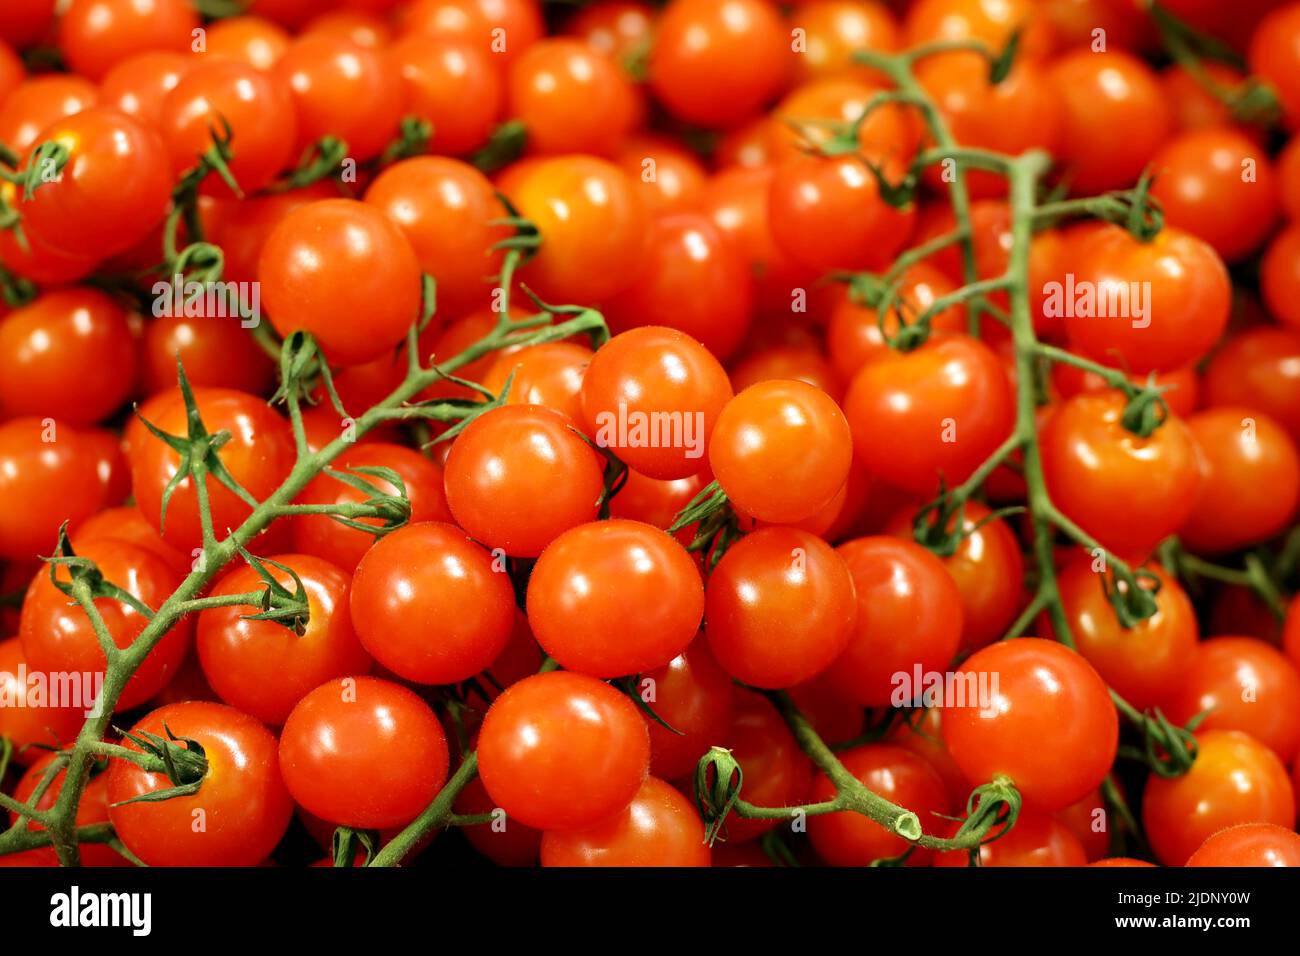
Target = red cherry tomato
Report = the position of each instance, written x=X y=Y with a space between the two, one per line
x=776 y=772
x=28 y=720
x=92 y=809
x=455 y=86
x=95 y=35
x=549 y=374
x=1249 y=844
x=1037 y=839
x=252 y=40
x=216 y=352
x=1279 y=277
x=692 y=695
x=1259 y=368
x=138 y=85
x=40 y=102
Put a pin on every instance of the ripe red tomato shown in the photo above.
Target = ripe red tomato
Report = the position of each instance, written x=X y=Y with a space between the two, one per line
x=900 y=776
x=776 y=772
x=328 y=262
x=1220 y=186
x=431 y=605
x=23 y=22
x=58 y=637
x=248 y=39
x=138 y=85
x=111 y=194
x=659 y=827
x=1259 y=368
x=1096 y=468
x=1279 y=277
x=343 y=90
x=92 y=809
x=593 y=225
x=1246 y=685
x=986 y=567
x=1009 y=729
x=781 y=450
x=519 y=476
x=263 y=668
x=1144 y=663
x=669 y=177
x=938 y=411
x=1101 y=93
x=909 y=617
x=992 y=24
x=216 y=353
x=801 y=363
x=29 y=717
x=648 y=382
x=560 y=751
x=445 y=208
x=258 y=108
x=806 y=117
x=1273 y=57
x=68 y=355
x=716 y=62
x=369 y=30
x=607 y=571
x=240 y=811
x=507 y=27
x=1241 y=452
x=1249 y=844
x=693 y=695
x=363 y=752
x=1037 y=839
x=95 y=35
x=1235 y=779
x=38 y=103
x=127 y=524
x=259 y=456
x=834 y=30
x=1182 y=386
x=455 y=86
x=549 y=374
x=503 y=841
x=779 y=607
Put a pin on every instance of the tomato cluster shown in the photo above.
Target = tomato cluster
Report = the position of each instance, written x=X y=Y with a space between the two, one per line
x=552 y=421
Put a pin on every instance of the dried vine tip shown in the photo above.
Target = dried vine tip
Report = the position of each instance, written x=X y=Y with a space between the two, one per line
x=908 y=826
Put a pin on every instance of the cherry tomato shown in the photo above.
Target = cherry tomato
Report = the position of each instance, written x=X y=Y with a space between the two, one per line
x=29 y=720
x=40 y=102
x=92 y=809
x=1092 y=464
x=241 y=809
x=909 y=618
x=1235 y=779
x=809 y=115
x=366 y=29
x=455 y=86
x=652 y=396
x=1279 y=277
x=329 y=261
x=216 y=352
x=429 y=580
x=1246 y=685
x=561 y=751
x=1249 y=844
x=691 y=280
x=1241 y=452
x=549 y=374
x=834 y=30
x=593 y=225
x=23 y=22
x=259 y=456
x=1010 y=730
x=847 y=838
x=669 y=177
x=58 y=636
x=96 y=35
x=659 y=827
x=1273 y=58
x=1195 y=107
x=251 y=40
x=691 y=694
x=127 y=524
x=507 y=27
x=938 y=411
x=138 y=85
x=1259 y=368
x=572 y=98
x=503 y=841
x=618 y=28
x=1037 y=839
x=344 y=546
x=363 y=752
x=607 y=571
x=776 y=772
x=1181 y=387
x=68 y=355
x=716 y=62
x=992 y=24
x=256 y=106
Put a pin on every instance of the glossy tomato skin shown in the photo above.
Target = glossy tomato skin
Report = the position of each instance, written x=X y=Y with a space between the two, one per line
x=519 y=476
x=1247 y=685
x=1249 y=844
x=256 y=105
x=1279 y=276
x=95 y=35
x=445 y=207
x=58 y=637
x=549 y=374
x=431 y=605
x=325 y=538
x=659 y=827
x=92 y=809
x=836 y=29
x=1235 y=779
x=242 y=800
x=1010 y=734
x=1241 y=451
x=1144 y=664
x=1184 y=312
x=1096 y=469
x=112 y=192
x=777 y=773
x=259 y=456
x=328 y=262
x=991 y=24
x=614 y=571
x=38 y=103
x=1272 y=57
x=453 y=85
x=651 y=372
x=909 y=616
x=138 y=84
x=779 y=607
x=669 y=177
x=216 y=352
x=69 y=355
x=22 y=722
x=940 y=410
x=363 y=752
x=26 y=21
x=716 y=62
x=1037 y=839
x=593 y=223
x=1259 y=368
x=781 y=450
x=263 y=668
x=900 y=776
x=561 y=751
x=691 y=280
x=248 y=39
x=505 y=843
x=691 y=694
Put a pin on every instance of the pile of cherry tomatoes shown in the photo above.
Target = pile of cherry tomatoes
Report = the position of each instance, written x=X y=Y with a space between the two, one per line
x=770 y=478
